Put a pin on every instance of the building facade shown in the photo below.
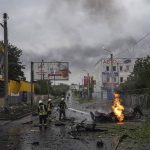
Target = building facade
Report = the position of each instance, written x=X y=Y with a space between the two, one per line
x=109 y=75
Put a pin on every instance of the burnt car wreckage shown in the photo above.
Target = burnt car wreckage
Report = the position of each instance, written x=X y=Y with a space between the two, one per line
x=110 y=117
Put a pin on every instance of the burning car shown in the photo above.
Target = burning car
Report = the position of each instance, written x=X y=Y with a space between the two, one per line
x=118 y=113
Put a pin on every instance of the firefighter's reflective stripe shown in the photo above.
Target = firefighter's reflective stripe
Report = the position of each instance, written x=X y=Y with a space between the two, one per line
x=42 y=110
x=49 y=109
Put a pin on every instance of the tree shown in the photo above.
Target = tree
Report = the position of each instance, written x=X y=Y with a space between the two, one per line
x=59 y=90
x=41 y=87
x=139 y=80
x=15 y=66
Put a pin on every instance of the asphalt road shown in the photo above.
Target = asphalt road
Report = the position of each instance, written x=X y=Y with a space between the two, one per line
x=24 y=135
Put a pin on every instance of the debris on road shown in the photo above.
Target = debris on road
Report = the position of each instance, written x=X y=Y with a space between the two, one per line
x=110 y=117
x=100 y=144
x=28 y=122
x=35 y=143
x=34 y=130
x=60 y=124
x=34 y=114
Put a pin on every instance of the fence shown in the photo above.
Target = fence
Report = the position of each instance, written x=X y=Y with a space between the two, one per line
x=133 y=100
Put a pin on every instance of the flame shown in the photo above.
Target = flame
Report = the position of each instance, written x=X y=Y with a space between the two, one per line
x=118 y=108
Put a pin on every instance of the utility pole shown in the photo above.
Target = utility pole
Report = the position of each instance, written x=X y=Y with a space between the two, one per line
x=42 y=72
x=88 y=77
x=31 y=83
x=54 y=77
x=111 y=73
x=112 y=86
x=5 y=18
x=48 y=87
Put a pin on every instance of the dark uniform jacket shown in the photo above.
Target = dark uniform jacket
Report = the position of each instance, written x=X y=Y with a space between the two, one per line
x=62 y=105
x=42 y=110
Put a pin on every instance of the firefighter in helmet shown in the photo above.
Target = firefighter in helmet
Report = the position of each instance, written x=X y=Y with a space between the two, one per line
x=42 y=111
x=49 y=107
x=62 y=107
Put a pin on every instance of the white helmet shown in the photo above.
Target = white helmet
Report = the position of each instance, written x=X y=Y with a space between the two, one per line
x=49 y=100
x=40 y=101
x=62 y=98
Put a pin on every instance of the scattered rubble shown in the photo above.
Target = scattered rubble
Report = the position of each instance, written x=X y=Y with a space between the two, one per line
x=35 y=143
x=28 y=122
x=60 y=124
x=100 y=144
x=110 y=117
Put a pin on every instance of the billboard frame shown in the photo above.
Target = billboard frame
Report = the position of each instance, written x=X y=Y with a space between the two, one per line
x=55 y=75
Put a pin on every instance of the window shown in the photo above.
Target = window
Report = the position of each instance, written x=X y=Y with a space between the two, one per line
x=107 y=79
x=107 y=68
x=114 y=68
x=121 y=68
x=127 y=68
x=115 y=80
x=121 y=79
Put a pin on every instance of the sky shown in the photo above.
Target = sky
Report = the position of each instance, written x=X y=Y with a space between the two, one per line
x=77 y=31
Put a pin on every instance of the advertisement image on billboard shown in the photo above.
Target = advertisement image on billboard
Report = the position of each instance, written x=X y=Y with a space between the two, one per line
x=50 y=70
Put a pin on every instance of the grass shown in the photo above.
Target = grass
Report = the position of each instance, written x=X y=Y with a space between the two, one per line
x=137 y=134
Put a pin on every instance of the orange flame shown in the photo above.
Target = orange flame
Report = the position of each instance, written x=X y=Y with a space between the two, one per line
x=118 y=108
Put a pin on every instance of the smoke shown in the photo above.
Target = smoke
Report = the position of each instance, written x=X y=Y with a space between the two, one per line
x=108 y=10
x=76 y=30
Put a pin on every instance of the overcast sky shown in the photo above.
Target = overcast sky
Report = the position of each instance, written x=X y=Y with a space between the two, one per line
x=77 y=30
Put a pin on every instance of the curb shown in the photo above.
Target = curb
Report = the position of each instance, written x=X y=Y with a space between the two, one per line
x=15 y=117
x=4 y=123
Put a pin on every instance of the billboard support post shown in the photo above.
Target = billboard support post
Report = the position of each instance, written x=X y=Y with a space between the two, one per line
x=48 y=82
x=49 y=71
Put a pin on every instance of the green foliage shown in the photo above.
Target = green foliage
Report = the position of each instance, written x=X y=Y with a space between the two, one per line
x=139 y=78
x=59 y=90
x=141 y=133
x=41 y=87
x=15 y=67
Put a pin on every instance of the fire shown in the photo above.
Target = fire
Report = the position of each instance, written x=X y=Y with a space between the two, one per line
x=118 y=108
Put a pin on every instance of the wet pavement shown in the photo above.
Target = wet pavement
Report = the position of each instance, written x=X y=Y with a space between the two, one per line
x=28 y=137
x=24 y=134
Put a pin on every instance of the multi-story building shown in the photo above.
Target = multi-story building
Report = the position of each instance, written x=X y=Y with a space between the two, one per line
x=110 y=74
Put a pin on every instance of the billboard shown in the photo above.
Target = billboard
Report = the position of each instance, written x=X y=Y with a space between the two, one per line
x=50 y=70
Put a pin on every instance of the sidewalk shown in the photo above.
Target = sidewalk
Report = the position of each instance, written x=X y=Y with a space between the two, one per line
x=16 y=112
x=2 y=123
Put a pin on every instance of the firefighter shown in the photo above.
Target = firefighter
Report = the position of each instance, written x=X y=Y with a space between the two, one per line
x=42 y=111
x=49 y=107
x=62 y=106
